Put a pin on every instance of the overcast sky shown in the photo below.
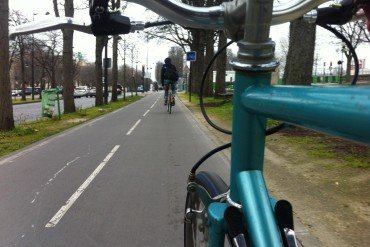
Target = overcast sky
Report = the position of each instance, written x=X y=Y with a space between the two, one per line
x=84 y=43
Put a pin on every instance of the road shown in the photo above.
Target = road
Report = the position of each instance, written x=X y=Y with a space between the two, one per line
x=32 y=111
x=119 y=180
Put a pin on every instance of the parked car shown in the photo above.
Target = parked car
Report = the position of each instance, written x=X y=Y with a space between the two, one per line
x=16 y=93
x=140 y=88
x=119 y=89
x=91 y=92
x=36 y=90
x=80 y=91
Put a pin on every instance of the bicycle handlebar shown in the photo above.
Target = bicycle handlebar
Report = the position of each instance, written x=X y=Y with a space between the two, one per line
x=229 y=16
x=49 y=25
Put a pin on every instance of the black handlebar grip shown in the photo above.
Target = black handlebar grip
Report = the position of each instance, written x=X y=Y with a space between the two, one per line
x=110 y=24
x=337 y=15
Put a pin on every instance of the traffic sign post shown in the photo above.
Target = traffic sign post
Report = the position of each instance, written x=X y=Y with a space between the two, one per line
x=191 y=56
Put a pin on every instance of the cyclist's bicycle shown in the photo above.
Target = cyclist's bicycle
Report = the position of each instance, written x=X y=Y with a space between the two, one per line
x=244 y=211
x=170 y=98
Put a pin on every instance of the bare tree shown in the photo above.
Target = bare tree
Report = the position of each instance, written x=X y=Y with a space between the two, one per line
x=99 y=70
x=125 y=70
x=176 y=54
x=355 y=33
x=158 y=68
x=282 y=53
x=6 y=112
x=221 y=66
x=20 y=48
x=48 y=55
x=86 y=75
x=208 y=89
x=68 y=84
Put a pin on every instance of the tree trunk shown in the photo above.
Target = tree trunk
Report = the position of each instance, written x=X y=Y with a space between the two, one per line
x=115 y=69
x=208 y=87
x=348 y=68
x=298 y=69
x=23 y=72
x=99 y=71
x=221 y=66
x=53 y=80
x=6 y=108
x=68 y=84
x=68 y=68
x=197 y=67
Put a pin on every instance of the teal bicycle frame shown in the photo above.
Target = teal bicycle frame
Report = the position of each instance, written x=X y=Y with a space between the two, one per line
x=339 y=111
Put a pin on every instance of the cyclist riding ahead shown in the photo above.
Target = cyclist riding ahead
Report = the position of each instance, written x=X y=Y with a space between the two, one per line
x=169 y=77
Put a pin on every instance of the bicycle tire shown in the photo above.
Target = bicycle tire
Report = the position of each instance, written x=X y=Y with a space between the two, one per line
x=213 y=185
x=169 y=103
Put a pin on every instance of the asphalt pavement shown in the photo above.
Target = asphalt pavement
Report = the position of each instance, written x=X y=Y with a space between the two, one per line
x=119 y=180
x=32 y=111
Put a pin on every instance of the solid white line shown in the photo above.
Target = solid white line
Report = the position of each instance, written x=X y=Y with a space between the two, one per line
x=146 y=113
x=58 y=216
x=133 y=127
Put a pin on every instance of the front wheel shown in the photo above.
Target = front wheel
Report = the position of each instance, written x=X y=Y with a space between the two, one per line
x=196 y=226
x=169 y=104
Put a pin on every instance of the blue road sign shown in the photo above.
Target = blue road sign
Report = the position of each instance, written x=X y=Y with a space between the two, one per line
x=191 y=56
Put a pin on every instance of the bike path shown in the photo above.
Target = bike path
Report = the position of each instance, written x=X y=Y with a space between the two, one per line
x=136 y=198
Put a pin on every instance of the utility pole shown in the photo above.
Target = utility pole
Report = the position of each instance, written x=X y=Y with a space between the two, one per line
x=146 y=80
x=135 y=78
x=132 y=71
x=33 y=63
x=124 y=69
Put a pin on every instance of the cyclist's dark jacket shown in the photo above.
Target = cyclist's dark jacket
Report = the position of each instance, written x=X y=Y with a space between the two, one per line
x=164 y=70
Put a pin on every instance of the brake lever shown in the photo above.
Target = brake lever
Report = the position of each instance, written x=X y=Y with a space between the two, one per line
x=337 y=14
x=68 y=22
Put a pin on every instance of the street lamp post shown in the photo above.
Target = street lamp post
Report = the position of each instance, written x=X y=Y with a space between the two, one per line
x=124 y=69
x=132 y=70
x=106 y=72
x=33 y=63
x=135 y=77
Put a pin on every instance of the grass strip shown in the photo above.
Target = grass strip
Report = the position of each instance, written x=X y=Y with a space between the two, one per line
x=20 y=101
x=317 y=146
x=27 y=133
